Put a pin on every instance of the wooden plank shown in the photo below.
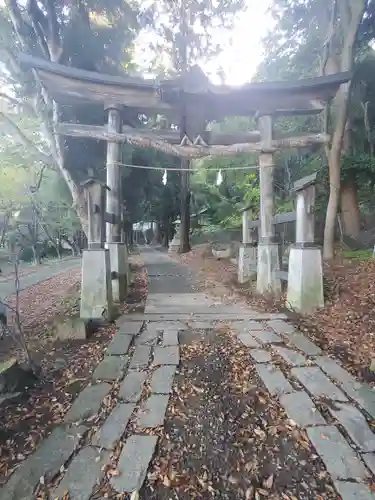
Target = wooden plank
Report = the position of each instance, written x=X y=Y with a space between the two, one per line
x=149 y=140
x=277 y=219
x=319 y=83
x=71 y=85
x=37 y=63
x=304 y=182
x=67 y=90
x=171 y=136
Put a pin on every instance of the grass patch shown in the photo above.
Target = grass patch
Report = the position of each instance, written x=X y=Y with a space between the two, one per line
x=358 y=254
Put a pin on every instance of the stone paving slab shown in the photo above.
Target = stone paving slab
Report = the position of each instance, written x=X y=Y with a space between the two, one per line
x=83 y=473
x=88 y=402
x=127 y=327
x=353 y=491
x=188 y=299
x=369 y=459
x=291 y=357
x=135 y=457
x=162 y=380
x=266 y=337
x=46 y=461
x=260 y=356
x=337 y=372
x=201 y=325
x=119 y=346
x=148 y=337
x=317 y=383
x=363 y=395
x=174 y=325
x=111 y=368
x=167 y=355
x=170 y=337
x=303 y=344
x=247 y=326
x=355 y=425
x=274 y=380
x=141 y=357
x=301 y=409
x=114 y=426
x=281 y=327
x=205 y=317
x=248 y=340
x=211 y=310
x=131 y=387
x=339 y=458
x=151 y=413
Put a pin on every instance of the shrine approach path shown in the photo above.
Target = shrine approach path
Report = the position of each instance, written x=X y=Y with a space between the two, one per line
x=200 y=399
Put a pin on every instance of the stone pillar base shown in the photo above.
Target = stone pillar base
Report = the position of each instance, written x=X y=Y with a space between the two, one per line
x=174 y=245
x=96 y=286
x=118 y=259
x=247 y=262
x=268 y=263
x=305 y=280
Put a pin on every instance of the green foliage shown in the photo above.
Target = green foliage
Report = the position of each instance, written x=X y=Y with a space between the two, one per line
x=358 y=254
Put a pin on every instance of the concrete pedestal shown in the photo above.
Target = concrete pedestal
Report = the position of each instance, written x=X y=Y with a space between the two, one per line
x=118 y=260
x=247 y=262
x=96 y=286
x=305 y=280
x=174 y=245
x=268 y=264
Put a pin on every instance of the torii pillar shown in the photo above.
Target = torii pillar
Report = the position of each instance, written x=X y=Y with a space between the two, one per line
x=268 y=248
x=114 y=234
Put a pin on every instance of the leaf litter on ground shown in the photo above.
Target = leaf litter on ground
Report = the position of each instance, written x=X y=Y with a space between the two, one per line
x=230 y=439
x=67 y=366
x=344 y=328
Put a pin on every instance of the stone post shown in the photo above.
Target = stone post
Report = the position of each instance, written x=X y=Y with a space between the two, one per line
x=247 y=255
x=268 y=249
x=114 y=242
x=96 y=287
x=174 y=245
x=305 y=272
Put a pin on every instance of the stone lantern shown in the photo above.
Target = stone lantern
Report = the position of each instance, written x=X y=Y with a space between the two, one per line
x=174 y=245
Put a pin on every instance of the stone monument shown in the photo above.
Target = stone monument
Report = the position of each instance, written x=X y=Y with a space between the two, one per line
x=305 y=271
x=96 y=285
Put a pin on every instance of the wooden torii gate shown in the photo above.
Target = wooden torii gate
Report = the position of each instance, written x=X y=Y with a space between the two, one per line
x=125 y=98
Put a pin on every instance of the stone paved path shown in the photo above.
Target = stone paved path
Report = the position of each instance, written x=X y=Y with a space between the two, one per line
x=137 y=373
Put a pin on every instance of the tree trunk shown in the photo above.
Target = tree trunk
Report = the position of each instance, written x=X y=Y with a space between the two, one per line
x=157 y=233
x=185 y=210
x=333 y=204
x=356 y=10
x=351 y=216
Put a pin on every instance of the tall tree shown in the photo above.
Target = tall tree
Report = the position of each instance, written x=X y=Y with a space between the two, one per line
x=319 y=37
x=189 y=32
x=95 y=37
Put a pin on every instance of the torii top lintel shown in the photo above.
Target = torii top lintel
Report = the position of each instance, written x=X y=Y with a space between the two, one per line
x=69 y=85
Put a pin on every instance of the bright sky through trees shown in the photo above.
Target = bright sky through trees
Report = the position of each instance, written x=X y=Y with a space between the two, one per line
x=242 y=50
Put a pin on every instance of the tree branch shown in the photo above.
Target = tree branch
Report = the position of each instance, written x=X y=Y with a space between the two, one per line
x=18 y=102
x=39 y=24
x=20 y=136
x=55 y=42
